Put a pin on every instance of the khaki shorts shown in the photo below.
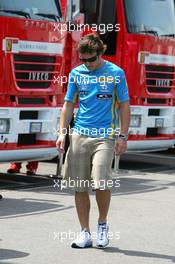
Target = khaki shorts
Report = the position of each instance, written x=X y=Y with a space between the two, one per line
x=88 y=163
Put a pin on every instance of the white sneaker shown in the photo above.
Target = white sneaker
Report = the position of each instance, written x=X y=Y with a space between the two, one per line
x=102 y=235
x=83 y=241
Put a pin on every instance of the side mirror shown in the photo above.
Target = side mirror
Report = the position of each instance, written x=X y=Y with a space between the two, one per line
x=88 y=6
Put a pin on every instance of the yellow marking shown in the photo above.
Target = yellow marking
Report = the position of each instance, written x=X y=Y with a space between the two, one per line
x=75 y=97
x=8 y=45
x=113 y=110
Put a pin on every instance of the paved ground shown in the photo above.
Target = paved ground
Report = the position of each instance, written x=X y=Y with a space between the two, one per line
x=37 y=224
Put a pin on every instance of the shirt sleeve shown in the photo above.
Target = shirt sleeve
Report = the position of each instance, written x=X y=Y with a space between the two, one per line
x=72 y=91
x=122 y=88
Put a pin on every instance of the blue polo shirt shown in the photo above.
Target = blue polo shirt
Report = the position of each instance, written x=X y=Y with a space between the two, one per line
x=98 y=93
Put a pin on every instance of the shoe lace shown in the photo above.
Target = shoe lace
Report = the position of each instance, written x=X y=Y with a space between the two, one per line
x=84 y=234
x=102 y=230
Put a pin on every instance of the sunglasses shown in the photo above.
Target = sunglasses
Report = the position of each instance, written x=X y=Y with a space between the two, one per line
x=92 y=59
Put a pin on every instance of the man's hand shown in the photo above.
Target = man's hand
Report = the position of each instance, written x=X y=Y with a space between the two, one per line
x=120 y=146
x=60 y=143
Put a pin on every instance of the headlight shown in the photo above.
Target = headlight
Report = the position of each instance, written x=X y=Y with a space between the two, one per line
x=4 y=126
x=135 y=121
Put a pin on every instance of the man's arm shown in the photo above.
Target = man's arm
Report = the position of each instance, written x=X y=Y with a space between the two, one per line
x=124 y=116
x=65 y=119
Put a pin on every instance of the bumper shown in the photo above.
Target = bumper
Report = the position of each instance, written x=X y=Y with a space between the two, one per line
x=28 y=154
x=150 y=145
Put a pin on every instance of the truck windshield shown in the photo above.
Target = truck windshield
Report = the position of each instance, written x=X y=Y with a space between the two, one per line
x=34 y=9
x=152 y=17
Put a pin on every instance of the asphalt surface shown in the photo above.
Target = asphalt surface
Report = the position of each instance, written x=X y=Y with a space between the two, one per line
x=38 y=220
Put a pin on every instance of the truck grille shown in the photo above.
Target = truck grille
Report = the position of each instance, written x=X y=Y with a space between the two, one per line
x=34 y=71
x=159 y=79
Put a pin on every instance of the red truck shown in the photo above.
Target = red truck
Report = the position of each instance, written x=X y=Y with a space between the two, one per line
x=38 y=50
x=140 y=36
x=29 y=60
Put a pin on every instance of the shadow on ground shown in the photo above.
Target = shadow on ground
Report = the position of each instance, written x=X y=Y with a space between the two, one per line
x=13 y=208
x=11 y=254
x=143 y=254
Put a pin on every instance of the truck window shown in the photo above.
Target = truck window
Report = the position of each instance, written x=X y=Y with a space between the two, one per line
x=105 y=15
x=34 y=9
x=75 y=8
x=160 y=21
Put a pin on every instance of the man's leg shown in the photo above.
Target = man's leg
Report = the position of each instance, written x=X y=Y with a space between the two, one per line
x=77 y=169
x=31 y=167
x=101 y=173
x=14 y=167
x=82 y=202
x=83 y=207
x=103 y=198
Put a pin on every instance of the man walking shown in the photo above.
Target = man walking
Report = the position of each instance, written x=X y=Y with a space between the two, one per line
x=99 y=86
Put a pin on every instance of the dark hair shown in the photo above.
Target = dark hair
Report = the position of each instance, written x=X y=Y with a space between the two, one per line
x=91 y=43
